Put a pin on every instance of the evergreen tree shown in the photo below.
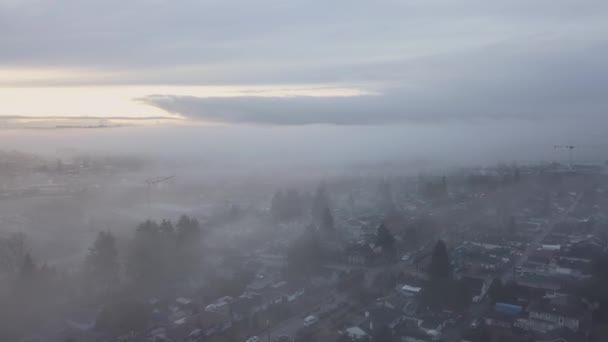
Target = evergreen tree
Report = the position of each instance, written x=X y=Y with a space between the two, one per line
x=384 y=237
x=293 y=206
x=516 y=175
x=496 y=290
x=166 y=227
x=439 y=268
x=327 y=223
x=147 y=260
x=13 y=250
x=385 y=195
x=512 y=225
x=27 y=281
x=305 y=256
x=320 y=203
x=189 y=246
x=101 y=264
x=386 y=240
x=28 y=267
x=276 y=205
x=188 y=230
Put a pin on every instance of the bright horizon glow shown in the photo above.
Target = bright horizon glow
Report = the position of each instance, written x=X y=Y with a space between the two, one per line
x=122 y=100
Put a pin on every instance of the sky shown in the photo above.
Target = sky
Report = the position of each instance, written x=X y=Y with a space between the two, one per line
x=497 y=65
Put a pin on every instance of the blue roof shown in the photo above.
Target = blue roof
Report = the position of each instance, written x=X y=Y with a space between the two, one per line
x=508 y=309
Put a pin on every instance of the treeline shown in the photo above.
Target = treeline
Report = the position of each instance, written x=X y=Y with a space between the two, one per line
x=162 y=254
x=159 y=257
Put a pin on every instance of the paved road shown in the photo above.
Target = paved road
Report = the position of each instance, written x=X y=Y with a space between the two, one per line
x=291 y=325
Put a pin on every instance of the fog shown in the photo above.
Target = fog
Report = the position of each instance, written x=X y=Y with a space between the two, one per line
x=478 y=141
x=113 y=232
x=303 y=171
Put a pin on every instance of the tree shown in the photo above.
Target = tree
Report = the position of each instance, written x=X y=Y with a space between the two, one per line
x=440 y=264
x=149 y=258
x=166 y=228
x=101 y=264
x=189 y=247
x=386 y=240
x=28 y=268
x=188 y=230
x=512 y=225
x=597 y=288
x=385 y=195
x=384 y=237
x=305 y=256
x=276 y=205
x=496 y=290
x=13 y=250
x=516 y=175
x=320 y=203
x=28 y=281
x=327 y=222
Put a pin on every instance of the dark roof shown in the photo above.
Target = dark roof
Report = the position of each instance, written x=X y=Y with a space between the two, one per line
x=561 y=334
x=384 y=315
x=573 y=310
x=539 y=281
x=500 y=316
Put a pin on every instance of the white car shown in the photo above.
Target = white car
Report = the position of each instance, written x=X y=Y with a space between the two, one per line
x=195 y=335
x=253 y=339
x=310 y=320
x=405 y=257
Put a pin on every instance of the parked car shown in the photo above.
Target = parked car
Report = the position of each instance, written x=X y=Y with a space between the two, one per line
x=253 y=339
x=195 y=335
x=308 y=321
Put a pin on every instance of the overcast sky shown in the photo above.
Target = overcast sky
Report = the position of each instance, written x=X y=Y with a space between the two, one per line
x=278 y=62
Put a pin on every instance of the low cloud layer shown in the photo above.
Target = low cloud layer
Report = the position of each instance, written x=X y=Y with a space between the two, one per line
x=536 y=80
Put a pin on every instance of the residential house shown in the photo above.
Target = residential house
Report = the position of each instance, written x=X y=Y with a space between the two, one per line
x=546 y=315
